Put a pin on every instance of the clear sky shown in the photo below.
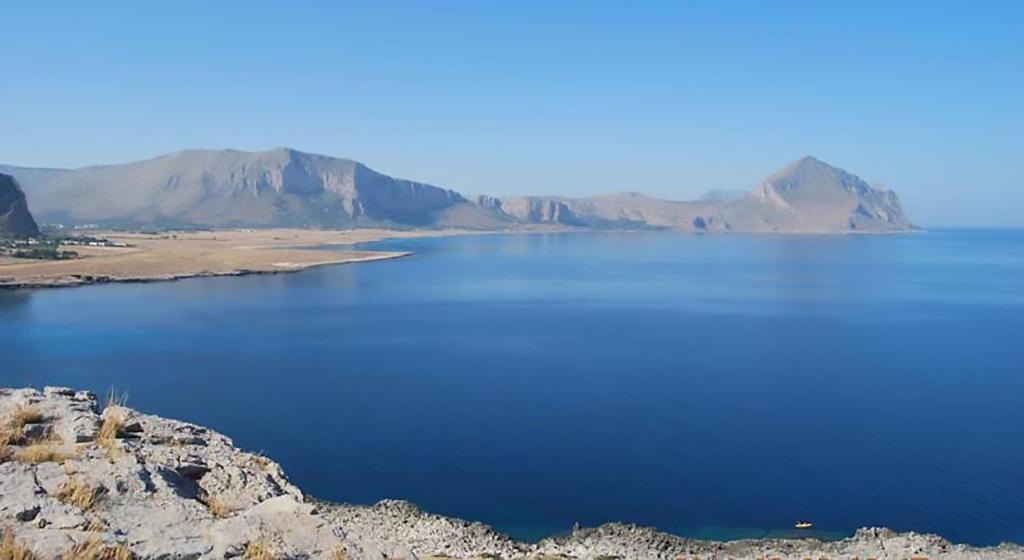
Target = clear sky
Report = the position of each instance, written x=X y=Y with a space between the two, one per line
x=572 y=98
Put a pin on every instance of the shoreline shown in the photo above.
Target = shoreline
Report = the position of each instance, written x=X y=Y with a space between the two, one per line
x=159 y=488
x=170 y=256
x=76 y=281
x=179 y=255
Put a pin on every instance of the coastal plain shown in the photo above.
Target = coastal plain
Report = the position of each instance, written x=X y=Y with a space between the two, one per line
x=172 y=255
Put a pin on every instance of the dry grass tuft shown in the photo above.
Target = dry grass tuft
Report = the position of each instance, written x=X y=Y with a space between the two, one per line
x=44 y=451
x=11 y=550
x=110 y=429
x=25 y=414
x=120 y=552
x=94 y=549
x=108 y=434
x=260 y=461
x=11 y=436
x=95 y=525
x=113 y=424
x=258 y=550
x=217 y=507
x=11 y=431
x=77 y=493
x=116 y=399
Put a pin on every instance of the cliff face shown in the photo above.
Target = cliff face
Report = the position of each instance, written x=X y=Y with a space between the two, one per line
x=283 y=187
x=535 y=210
x=119 y=481
x=15 y=218
x=226 y=188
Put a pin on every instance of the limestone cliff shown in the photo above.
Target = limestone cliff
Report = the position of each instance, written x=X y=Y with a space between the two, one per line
x=231 y=188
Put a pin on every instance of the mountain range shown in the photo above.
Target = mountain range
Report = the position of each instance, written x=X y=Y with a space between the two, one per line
x=289 y=188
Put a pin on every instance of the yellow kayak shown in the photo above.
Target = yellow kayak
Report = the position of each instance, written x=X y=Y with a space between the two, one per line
x=803 y=525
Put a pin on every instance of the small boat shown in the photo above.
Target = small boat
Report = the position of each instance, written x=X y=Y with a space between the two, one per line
x=803 y=525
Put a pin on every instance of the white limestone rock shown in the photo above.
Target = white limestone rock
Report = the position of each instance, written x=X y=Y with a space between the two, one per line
x=170 y=489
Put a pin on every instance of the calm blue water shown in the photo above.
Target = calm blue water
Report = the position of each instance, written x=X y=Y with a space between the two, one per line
x=707 y=385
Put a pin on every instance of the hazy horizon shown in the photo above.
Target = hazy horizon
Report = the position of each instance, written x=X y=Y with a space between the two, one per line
x=571 y=100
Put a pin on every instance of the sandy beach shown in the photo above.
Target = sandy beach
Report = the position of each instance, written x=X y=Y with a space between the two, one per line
x=175 y=255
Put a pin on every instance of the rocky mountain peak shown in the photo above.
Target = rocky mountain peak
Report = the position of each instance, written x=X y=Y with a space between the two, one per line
x=809 y=161
x=817 y=193
x=806 y=170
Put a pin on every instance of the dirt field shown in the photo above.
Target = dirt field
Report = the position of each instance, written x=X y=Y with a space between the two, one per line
x=172 y=255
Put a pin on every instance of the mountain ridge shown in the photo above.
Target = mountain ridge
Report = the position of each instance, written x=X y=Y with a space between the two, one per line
x=284 y=187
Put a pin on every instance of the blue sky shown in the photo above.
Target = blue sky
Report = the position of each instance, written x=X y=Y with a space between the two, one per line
x=573 y=98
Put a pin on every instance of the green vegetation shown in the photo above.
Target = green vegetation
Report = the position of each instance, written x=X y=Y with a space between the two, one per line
x=48 y=246
x=33 y=248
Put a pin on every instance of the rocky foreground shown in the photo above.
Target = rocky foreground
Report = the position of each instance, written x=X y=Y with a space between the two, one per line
x=78 y=482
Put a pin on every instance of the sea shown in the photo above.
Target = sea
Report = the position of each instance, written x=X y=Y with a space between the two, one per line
x=713 y=386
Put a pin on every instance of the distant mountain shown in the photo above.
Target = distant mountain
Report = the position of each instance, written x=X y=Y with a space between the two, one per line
x=15 y=218
x=224 y=188
x=284 y=187
x=723 y=195
x=807 y=196
x=810 y=195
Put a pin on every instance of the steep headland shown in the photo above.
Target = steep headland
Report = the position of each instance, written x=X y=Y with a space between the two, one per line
x=118 y=483
x=289 y=188
x=15 y=219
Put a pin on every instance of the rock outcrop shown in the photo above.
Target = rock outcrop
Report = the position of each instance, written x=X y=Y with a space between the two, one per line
x=15 y=219
x=288 y=188
x=126 y=484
